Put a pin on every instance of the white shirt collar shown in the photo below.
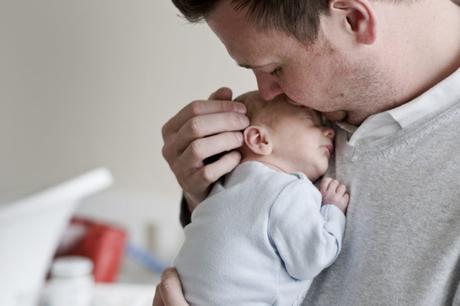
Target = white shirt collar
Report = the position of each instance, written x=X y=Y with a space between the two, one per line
x=438 y=98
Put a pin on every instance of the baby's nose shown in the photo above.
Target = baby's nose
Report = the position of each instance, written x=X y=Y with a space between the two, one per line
x=329 y=133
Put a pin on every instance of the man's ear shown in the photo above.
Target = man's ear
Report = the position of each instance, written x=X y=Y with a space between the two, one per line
x=359 y=18
x=257 y=139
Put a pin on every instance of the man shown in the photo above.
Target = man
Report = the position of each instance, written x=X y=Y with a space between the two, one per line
x=388 y=72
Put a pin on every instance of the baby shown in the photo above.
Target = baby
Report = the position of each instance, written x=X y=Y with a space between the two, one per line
x=265 y=231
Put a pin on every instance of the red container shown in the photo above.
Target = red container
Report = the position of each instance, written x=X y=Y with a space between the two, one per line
x=104 y=244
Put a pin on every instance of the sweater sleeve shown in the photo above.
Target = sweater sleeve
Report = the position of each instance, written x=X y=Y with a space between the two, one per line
x=307 y=237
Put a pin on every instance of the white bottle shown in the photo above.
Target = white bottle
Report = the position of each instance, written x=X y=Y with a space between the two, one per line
x=71 y=283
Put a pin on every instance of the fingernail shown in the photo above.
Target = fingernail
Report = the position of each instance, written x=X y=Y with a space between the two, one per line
x=241 y=108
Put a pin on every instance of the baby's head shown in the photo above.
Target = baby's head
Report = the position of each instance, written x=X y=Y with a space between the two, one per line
x=287 y=136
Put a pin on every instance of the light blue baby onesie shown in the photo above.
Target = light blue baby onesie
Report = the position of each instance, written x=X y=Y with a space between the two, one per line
x=259 y=238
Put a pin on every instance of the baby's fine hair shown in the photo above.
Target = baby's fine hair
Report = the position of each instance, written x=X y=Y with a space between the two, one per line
x=259 y=111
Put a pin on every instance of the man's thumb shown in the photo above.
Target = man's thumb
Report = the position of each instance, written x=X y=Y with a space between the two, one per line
x=171 y=289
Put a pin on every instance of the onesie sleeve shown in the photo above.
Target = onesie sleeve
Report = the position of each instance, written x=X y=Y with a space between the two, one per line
x=307 y=237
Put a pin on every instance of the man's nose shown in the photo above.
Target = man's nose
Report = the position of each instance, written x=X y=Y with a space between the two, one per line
x=268 y=85
x=329 y=133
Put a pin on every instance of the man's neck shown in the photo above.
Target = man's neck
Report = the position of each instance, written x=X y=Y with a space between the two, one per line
x=436 y=52
x=431 y=37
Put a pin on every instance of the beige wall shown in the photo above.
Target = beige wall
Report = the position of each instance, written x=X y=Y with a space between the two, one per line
x=85 y=83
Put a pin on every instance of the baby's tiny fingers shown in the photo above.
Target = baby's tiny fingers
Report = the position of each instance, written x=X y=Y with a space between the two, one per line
x=333 y=185
x=346 y=197
x=341 y=189
x=324 y=184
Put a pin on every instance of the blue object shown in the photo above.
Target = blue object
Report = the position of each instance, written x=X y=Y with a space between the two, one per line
x=144 y=257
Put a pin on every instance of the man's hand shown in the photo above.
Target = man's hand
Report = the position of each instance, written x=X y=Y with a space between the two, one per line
x=202 y=129
x=334 y=193
x=169 y=291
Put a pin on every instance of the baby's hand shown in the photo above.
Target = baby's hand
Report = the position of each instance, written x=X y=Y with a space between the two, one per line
x=334 y=193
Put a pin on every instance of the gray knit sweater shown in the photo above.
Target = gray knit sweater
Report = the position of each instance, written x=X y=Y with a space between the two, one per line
x=402 y=238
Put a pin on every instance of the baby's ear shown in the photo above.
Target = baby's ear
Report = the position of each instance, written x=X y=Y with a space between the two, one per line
x=257 y=139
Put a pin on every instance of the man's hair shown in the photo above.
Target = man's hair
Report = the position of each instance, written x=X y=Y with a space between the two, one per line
x=297 y=17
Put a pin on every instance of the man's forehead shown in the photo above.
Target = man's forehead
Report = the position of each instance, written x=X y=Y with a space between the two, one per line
x=247 y=44
x=226 y=20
